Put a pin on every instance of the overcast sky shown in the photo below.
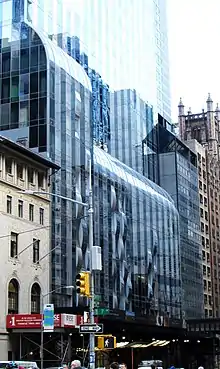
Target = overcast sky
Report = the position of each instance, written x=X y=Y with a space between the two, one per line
x=194 y=44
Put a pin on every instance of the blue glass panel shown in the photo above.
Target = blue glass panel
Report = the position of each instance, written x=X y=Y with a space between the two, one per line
x=17 y=11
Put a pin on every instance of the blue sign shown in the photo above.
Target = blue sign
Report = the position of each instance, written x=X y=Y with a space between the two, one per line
x=92 y=358
x=48 y=322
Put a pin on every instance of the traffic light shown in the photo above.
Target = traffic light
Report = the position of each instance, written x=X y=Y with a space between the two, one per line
x=106 y=342
x=83 y=284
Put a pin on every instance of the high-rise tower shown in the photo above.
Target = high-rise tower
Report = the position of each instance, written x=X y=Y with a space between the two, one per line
x=127 y=47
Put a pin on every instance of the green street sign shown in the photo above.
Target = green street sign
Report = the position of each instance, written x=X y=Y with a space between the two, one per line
x=101 y=311
x=97 y=298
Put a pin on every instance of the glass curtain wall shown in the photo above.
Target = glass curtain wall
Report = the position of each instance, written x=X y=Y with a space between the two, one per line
x=128 y=52
x=138 y=231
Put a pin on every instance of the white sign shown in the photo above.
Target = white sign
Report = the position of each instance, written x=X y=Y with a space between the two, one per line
x=69 y=320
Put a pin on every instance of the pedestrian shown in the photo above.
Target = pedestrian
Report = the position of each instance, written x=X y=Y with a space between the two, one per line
x=123 y=366
x=114 y=365
x=200 y=367
x=76 y=364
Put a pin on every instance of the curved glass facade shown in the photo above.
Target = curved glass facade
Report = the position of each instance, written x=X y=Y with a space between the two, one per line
x=62 y=60
x=137 y=229
x=135 y=221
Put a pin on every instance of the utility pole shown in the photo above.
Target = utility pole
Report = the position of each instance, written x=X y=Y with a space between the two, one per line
x=42 y=322
x=42 y=334
x=91 y=310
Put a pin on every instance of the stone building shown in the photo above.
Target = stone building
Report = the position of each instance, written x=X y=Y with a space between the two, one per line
x=24 y=235
x=201 y=133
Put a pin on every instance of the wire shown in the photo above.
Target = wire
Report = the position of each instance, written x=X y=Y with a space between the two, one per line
x=30 y=230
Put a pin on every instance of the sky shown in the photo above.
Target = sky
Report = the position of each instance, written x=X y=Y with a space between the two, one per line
x=194 y=51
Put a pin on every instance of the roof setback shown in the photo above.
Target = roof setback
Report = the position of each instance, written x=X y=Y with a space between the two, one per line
x=27 y=152
x=64 y=61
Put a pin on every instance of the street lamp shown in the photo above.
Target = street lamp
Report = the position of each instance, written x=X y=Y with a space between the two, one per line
x=42 y=325
x=90 y=216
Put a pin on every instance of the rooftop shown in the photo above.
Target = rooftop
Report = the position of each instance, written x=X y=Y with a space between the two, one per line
x=9 y=144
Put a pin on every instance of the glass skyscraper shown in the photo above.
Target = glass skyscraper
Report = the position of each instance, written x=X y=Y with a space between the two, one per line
x=124 y=40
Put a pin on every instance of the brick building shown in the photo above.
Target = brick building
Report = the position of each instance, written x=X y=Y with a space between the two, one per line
x=201 y=132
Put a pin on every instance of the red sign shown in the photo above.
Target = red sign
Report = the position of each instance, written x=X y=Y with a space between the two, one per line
x=31 y=321
x=81 y=320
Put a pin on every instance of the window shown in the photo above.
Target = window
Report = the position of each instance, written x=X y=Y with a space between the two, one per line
x=36 y=251
x=20 y=171
x=30 y=175
x=20 y=208
x=13 y=294
x=41 y=213
x=35 y=298
x=14 y=245
x=24 y=84
x=9 y=204
x=40 y=180
x=8 y=165
x=31 y=212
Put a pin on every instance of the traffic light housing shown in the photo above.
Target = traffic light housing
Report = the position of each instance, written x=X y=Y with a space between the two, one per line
x=106 y=342
x=83 y=284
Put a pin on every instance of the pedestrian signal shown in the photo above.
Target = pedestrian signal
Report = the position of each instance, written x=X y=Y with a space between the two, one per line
x=106 y=342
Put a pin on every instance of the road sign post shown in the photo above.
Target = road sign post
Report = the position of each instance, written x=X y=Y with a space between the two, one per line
x=91 y=328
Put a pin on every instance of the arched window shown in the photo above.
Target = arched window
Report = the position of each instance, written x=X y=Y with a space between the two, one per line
x=35 y=298
x=13 y=294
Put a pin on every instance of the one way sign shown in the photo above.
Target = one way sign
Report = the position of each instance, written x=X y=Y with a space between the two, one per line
x=91 y=328
x=106 y=342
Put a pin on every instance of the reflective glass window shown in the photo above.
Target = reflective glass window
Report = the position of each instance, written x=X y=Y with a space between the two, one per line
x=42 y=135
x=15 y=60
x=14 y=88
x=42 y=108
x=5 y=90
x=6 y=61
x=34 y=59
x=34 y=84
x=14 y=112
x=25 y=35
x=24 y=114
x=33 y=136
x=5 y=115
x=34 y=109
x=43 y=61
x=24 y=84
x=43 y=82
x=24 y=61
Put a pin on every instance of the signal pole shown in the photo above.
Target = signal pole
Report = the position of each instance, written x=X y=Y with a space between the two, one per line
x=91 y=307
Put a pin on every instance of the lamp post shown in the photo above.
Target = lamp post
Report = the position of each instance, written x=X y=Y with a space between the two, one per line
x=90 y=216
x=42 y=325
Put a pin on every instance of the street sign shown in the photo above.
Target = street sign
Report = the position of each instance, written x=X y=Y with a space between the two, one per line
x=91 y=328
x=106 y=342
x=48 y=322
x=101 y=311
